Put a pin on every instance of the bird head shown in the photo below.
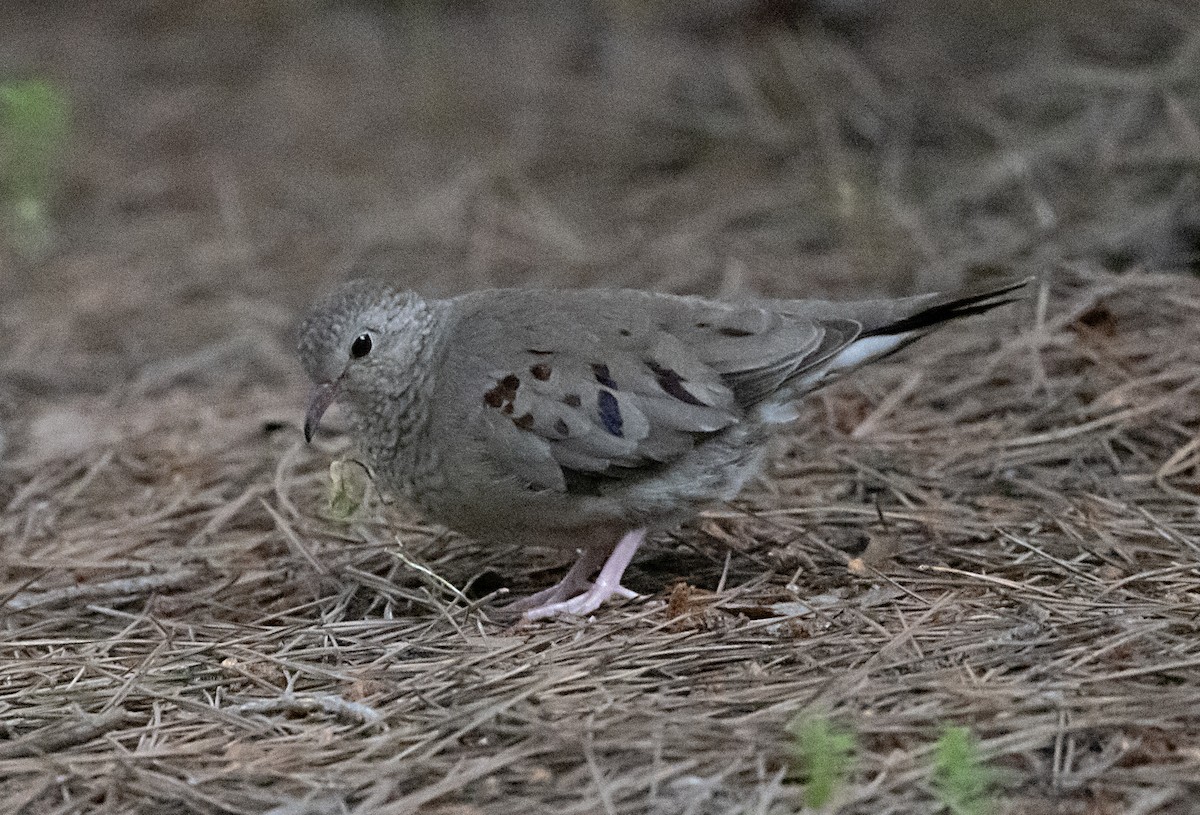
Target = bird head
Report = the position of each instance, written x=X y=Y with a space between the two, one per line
x=362 y=336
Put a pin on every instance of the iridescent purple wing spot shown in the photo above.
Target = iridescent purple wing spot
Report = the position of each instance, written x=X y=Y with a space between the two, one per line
x=610 y=413
x=672 y=383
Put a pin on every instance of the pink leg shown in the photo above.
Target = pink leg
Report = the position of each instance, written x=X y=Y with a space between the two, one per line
x=573 y=582
x=608 y=583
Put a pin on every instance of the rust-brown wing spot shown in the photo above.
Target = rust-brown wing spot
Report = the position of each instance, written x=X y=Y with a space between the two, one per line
x=572 y=400
x=525 y=422
x=541 y=372
x=503 y=393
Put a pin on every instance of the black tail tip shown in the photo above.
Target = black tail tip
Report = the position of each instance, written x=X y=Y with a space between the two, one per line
x=954 y=306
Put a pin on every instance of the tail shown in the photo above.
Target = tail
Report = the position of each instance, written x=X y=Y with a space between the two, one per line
x=886 y=327
x=945 y=308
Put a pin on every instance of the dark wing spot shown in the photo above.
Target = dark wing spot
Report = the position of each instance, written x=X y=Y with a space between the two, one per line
x=603 y=377
x=560 y=427
x=703 y=325
x=537 y=352
x=672 y=383
x=540 y=372
x=624 y=332
x=504 y=392
x=572 y=400
x=610 y=413
x=507 y=409
x=734 y=332
x=524 y=422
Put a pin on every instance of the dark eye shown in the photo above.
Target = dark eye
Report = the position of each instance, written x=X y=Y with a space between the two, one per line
x=361 y=346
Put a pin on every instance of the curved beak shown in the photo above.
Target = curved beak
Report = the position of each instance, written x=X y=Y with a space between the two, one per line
x=319 y=400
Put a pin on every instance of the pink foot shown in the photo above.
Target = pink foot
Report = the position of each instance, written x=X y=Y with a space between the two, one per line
x=573 y=582
x=607 y=585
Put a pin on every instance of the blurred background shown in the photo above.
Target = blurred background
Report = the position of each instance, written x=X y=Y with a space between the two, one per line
x=178 y=180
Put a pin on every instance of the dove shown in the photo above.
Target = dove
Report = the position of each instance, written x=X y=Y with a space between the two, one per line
x=585 y=419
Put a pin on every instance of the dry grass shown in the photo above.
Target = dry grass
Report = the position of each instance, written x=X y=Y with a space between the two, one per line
x=183 y=626
x=999 y=530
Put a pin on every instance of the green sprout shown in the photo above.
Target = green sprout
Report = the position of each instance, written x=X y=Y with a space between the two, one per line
x=961 y=780
x=822 y=756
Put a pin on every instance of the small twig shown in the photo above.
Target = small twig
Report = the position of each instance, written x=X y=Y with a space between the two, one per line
x=1104 y=421
x=433 y=576
x=589 y=757
x=124 y=587
x=55 y=739
x=886 y=407
x=987 y=578
x=283 y=469
x=223 y=515
x=309 y=703
x=724 y=571
x=1038 y=382
x=293 y=539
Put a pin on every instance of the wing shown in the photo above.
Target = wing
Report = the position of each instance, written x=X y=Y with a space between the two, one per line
x=568 y=387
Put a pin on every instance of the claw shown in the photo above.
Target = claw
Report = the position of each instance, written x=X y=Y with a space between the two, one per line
x=607 y=585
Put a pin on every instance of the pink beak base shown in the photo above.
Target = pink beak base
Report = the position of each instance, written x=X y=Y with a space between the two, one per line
x=319 y=400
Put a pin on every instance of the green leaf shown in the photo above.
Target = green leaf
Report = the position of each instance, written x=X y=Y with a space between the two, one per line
x=348 y=484
x=34 y=125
